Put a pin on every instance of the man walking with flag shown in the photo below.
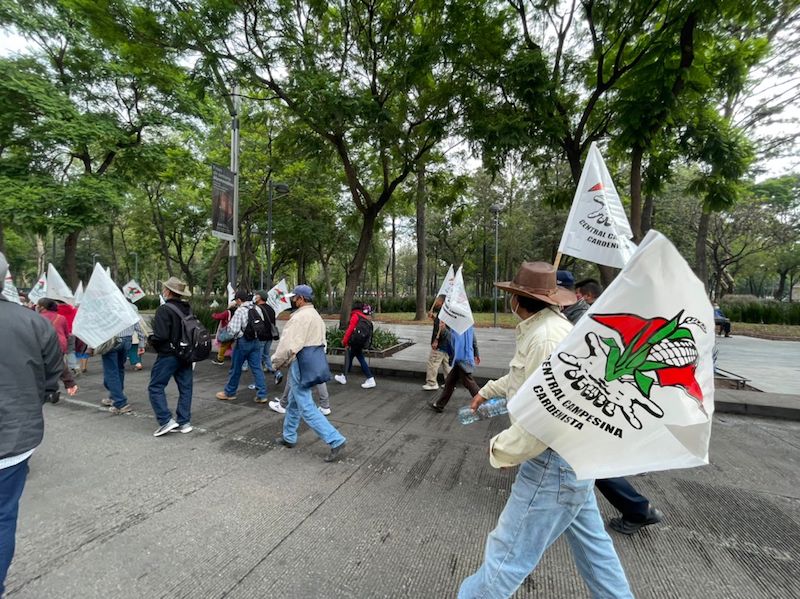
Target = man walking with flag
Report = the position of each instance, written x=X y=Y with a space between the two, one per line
x=547 y=500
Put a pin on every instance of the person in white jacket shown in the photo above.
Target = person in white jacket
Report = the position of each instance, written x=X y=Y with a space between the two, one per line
x=304 y=329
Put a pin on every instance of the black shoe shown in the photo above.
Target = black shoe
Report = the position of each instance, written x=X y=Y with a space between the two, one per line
x=334 y=454
x=628 y=527
x=435 y=408
x=281 y=441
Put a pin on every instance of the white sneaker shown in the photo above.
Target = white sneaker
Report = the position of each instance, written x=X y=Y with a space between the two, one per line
x=325 y=411
x=428 y=387
x=369 y=383
x=275 y=406
x=183 y=428
x=164 y=429
x=341 y=379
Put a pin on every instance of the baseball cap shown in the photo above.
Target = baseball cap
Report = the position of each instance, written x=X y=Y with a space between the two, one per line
x=303 y=291
x=243 y=295
x=564 y=278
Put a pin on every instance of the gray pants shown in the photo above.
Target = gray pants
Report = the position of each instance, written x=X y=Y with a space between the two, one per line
x=322 y=389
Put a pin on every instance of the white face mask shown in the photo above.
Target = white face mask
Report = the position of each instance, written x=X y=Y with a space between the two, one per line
x=514 y=309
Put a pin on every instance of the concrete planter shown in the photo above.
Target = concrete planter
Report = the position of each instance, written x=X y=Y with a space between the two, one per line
x=373 y=353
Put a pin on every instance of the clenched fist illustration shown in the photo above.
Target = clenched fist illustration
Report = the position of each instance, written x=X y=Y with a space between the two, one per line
x=587 y=374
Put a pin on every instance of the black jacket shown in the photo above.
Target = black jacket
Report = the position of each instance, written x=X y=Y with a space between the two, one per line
x=168 y=328
x=29 y=369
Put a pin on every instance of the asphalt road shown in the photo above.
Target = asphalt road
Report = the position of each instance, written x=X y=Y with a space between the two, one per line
x=112 y=512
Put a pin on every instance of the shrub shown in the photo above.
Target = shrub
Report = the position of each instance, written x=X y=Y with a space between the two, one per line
x=381 y=338
x=750 y=309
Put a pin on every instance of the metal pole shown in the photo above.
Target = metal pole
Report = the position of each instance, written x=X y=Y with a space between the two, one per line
x=136 y=266
x=269 y=234
x=234 y=244
x=496 y=237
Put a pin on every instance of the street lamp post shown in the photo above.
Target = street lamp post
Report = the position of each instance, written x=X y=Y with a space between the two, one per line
x=135 y=266
x=283 y=189
x=234 y=243
x=94 y=260
x=496 y=209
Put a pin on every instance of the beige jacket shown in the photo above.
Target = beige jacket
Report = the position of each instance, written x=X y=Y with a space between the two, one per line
x=537 y=337
x=304 y=329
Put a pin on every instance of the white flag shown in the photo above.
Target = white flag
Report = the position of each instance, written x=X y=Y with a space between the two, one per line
x=9 y=290
x=231 y=294
x=79 y=293
x=104 y=311
x=161 y=300
x=39 y=290
x=277 y=297
x=456 y=311
x=631 y=388
x=447 y=284
x=57 y=289
x=597 y=229
x=133 y=291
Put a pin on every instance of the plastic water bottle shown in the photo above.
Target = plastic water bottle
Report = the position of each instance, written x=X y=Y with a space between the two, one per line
x=488 y=409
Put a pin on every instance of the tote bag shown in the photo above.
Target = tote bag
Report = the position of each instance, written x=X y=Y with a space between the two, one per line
x=313 y=365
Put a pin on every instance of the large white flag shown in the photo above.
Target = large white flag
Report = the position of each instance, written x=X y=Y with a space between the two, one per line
x=133 y=291
x=456 y=311
x=231 y=294
x=57 y=289
x=39 y=290
x=597 y=229
x=631 y=388
x=79 y=293
x=9 y=290
x=447 y=284
x=104 y=311
x=276 y=297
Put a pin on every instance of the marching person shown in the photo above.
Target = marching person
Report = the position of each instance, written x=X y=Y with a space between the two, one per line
x=304 y=329
x=462 y=352
x=114 y=370
x=357 y=337
x=244 y=326
x=547 y=500
x=438 y=355
x=166 y=337
x=28 y=378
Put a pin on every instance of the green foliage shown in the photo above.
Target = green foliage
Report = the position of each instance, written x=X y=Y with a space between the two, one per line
x=761 y=311
x=381 y=338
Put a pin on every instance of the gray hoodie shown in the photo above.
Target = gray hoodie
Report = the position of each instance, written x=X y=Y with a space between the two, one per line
x=29 y=369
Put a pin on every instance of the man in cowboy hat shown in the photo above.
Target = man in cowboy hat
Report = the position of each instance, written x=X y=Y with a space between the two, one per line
x=167 y=332
x=546 y=499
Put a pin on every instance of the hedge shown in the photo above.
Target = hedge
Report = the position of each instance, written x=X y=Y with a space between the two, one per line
x=761 y=311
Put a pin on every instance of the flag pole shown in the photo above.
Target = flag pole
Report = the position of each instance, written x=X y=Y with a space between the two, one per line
x=557 y=261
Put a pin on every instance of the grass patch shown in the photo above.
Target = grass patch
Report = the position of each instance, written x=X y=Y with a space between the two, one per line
x=482 y=319
x=785 y=332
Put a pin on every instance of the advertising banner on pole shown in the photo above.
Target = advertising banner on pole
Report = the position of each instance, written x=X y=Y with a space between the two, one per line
x=221 y=202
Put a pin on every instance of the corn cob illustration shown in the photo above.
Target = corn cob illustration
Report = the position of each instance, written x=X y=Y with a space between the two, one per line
x=674 y=352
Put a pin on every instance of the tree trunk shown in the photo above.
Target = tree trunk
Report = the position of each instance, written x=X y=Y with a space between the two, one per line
x=2 y=239
x=647 y=214
x=636 y=193
x=356 y=267
x=70 y=258
x=700 y=248
x=212 y=270
x=113 y=248
x=41 y=256
x=422 y=307
x=326 y=273
x=781 y=290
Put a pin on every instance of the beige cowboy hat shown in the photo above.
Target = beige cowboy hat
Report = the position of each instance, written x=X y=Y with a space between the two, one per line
x=175 y=285
x=538 y=281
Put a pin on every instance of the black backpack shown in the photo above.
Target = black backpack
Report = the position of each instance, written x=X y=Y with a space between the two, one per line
x=195 y=344
x=258 y=327
x=361 y=336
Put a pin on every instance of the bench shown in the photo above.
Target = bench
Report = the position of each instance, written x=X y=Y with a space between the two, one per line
x=740 y=381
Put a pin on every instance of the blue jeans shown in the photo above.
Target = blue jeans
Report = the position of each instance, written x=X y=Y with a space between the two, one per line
x=247 y=351
x=114 y=372
x=165 y=368
x=356 y=353
x=266 y=359
x=623 y=496
x=546 y=501
x=12 y=481
x=302 y=406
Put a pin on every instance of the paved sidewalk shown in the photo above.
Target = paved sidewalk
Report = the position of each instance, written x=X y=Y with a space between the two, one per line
x=112 y=512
